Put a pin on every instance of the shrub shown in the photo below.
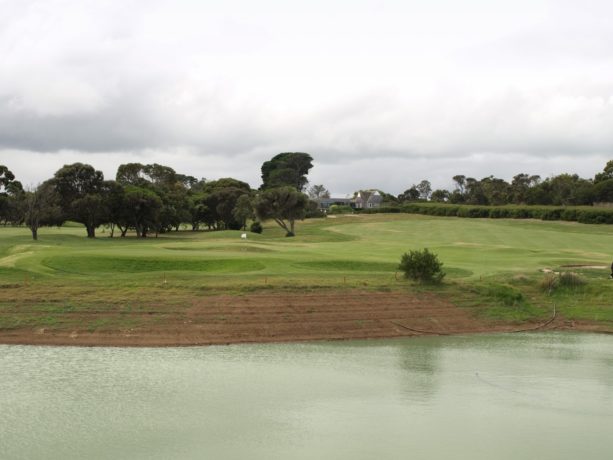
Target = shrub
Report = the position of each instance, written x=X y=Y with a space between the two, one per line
x=340 y=209
x=506 y=295
x=571 y=279
x=256 y=227
x=549 y=282
x=422 y=266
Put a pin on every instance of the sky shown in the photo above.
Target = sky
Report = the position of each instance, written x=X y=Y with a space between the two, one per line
x=382 y=93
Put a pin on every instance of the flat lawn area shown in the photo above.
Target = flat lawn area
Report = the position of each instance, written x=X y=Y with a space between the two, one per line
x=493 y=266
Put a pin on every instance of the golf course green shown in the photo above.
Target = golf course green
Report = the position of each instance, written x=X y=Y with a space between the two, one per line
x=498 y=268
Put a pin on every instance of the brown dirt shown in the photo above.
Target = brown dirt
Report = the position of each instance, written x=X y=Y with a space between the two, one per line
x=284 y=317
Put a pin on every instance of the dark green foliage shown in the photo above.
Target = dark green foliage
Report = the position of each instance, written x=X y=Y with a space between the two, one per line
x=284 y=205
x=582 y=214
x=221 y=198
x=411 y=194
x=313 y=211
x=440 y=196
x=82 y=192
x=142 y=208
x=286 y=169
x=6 y=179
x=243 y=210
x=606 y=174
x=256 y=227
x=422 y=265
x=11 y=196
x=603 y=191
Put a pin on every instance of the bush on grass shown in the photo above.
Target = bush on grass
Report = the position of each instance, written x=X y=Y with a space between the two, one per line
x=256 y=227
x=422 y=265
x=571 y=279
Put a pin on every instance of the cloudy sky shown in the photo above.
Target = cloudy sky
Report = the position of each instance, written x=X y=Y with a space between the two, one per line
x=382 y=93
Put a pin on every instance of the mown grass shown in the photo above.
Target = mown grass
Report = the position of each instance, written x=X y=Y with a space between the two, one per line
x=492 y=266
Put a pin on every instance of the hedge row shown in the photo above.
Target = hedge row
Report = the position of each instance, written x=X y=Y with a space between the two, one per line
x=583 y=214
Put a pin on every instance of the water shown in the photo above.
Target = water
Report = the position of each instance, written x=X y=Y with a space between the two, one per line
x=531 y=396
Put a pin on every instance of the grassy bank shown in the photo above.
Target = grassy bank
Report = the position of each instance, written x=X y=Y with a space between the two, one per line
x=493 y=268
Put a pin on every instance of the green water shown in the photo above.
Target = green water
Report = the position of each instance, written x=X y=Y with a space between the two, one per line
x=530 y=396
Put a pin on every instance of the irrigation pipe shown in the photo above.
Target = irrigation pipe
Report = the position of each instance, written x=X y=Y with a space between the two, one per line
x=539 y=326
x=418 y=330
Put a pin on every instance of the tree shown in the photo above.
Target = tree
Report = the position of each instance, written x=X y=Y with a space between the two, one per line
x=440 y=196
x=606 y=174
x=41 y=207
x=411 y=194
x=473 y=192
x=460 y=181
x=116 y=207
x=11 y=192
x=172 y=188
x=141 y=175
x=520 y=187
x=318 y=191
x=286 y=169
x=283 y=204
x=243 y=210
x=143 y=208
x=6 y=177
x=497 y=191
x=603 y=191
x=131 y=174
x=425 y=189
x=567 y=190
x=81 y=189
x=220 y=198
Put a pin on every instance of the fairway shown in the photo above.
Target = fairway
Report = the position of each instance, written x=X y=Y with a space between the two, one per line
x=362 y=247
x=487 y=263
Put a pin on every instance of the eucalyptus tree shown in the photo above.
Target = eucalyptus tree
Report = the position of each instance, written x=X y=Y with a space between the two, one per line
x=81 y=190
x=40 y=207
x=287 y=169
x=284 y=205
x=318 y=191
x=11 y=192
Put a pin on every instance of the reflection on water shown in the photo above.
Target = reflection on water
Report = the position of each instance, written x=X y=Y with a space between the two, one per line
x=546 y=396
x=419 y=360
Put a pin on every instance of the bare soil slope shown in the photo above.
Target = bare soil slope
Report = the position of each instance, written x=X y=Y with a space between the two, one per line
x=269 y=318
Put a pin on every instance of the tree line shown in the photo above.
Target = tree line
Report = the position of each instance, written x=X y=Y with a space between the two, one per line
x=152 y=199
x=523 y=189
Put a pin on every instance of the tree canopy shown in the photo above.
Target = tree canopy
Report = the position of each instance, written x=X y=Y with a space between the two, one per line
x=287 y=169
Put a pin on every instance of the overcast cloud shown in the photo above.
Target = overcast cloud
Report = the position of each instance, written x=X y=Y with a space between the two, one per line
x=381 y=93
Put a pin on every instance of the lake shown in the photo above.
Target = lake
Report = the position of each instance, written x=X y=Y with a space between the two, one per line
x=514 y=396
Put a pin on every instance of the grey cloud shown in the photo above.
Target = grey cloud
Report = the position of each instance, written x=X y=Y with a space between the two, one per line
x=190 y=84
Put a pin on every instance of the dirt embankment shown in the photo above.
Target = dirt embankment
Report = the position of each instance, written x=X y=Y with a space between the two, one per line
x=271 y=318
